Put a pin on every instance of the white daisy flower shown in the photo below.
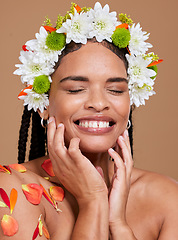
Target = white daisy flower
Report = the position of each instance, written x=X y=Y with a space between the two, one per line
x=39 y=46
x=104 y=23
x=35 y=100
x=76 y=28
x=139 y=95
x=138 y=71
x=137 y=45
x=32 y=66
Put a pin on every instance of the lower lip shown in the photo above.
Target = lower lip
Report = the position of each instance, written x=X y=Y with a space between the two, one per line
x=95 y=130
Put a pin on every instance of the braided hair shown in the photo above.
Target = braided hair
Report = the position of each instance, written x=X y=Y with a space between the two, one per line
x=38 y=142
x=38 y=136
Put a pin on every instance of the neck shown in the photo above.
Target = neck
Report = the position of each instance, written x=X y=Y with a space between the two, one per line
x=102 y=160
x=97 y=159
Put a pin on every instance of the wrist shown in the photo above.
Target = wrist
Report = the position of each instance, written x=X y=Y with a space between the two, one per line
x=121 y=230
x=100 y=199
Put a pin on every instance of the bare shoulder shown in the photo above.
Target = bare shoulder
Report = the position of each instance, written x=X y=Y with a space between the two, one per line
x=27 y=213
x=160 y=194
x=23 y=212
x=158 y=184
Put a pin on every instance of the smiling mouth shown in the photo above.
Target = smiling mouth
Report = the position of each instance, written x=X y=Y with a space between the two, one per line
x=93 y=124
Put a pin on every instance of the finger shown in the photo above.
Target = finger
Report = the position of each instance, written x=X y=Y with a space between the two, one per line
x=119 y=167
x=118 y=150
x=73 y=150
x=57 y=150
x=100 y=170
x=51 y=132
x=127 y=140
x=59 y=146
x=126 y=156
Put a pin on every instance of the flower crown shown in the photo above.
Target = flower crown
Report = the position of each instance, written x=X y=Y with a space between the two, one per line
x=40 y=55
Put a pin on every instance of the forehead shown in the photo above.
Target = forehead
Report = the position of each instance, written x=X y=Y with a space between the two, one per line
x=91 y=59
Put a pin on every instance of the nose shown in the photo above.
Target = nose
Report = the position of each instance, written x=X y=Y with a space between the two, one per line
x=97 y=101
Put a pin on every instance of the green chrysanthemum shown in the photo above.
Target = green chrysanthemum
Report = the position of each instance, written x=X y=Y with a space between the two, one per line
x=121 y=37
x=41 y=84
x=56 y=41
x=155 y=68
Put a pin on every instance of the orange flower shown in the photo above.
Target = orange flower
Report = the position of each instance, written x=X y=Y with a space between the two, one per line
x=57 y=193
x=155 y=63
x=9 y=225
x=33 y=192
x=40 y=229
x=49 y=29
x=18 y=167
x=13 y=199
x=50 y=199
x=78 y=8
x=123 y=25
x=22 y=93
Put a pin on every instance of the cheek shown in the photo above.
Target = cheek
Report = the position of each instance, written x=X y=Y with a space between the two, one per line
x=62 y=107
x=122 y=107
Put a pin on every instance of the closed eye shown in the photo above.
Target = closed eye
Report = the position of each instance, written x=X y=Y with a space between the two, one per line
x=117 y=92
x=75 y=91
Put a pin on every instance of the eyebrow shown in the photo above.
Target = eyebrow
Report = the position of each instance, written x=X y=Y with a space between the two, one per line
x=85 y=79
x=117 y=79
x=74 y=78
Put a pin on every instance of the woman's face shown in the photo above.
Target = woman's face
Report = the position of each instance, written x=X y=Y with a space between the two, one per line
x=89 y=95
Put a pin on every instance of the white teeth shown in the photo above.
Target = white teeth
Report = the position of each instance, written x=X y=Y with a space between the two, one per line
x=101 y=124
x=90 y=124
x=94 y=124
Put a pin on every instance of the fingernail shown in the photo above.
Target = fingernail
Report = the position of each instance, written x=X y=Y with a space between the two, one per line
x=111 y=150
x=51 y=119
x=121 y=138
x=60 y=125
x=126 y=133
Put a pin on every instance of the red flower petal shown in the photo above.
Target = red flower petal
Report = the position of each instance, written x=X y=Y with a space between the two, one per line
x=24 y=47
x=4 y=197
x=9 y=225
x=47 y=166
x=8 y=169
x=40 y=229
x=57 y=193
x=18 y=167
x=33 y=192
x=5 y=169
x=46 y=195
x=36 y=232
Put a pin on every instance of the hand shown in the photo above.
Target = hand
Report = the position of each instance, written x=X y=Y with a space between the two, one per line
x=74 y=171
x=120 y=184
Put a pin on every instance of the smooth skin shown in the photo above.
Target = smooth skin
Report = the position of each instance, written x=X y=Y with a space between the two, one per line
x=104 y=199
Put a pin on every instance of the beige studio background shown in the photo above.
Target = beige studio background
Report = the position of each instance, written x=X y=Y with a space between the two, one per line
x=155 y=133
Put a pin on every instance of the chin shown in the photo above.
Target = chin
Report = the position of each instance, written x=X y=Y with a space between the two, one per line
x=96 y=146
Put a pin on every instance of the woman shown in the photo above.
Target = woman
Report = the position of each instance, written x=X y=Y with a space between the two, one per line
x=89 y=107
